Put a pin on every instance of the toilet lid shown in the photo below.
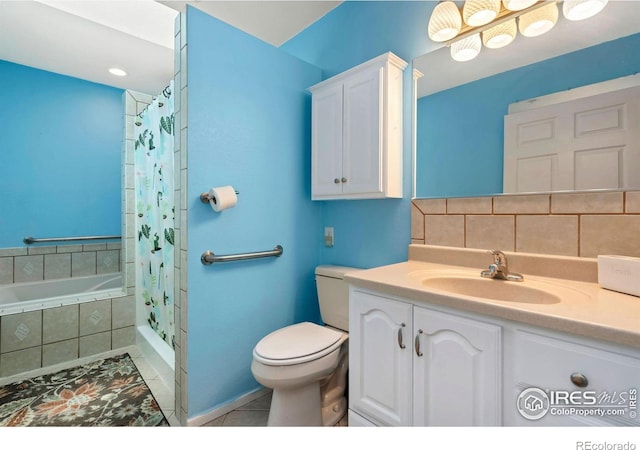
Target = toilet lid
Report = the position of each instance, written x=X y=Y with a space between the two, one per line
x=296 y=342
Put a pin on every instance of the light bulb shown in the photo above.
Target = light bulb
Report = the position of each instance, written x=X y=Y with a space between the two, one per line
x=445 y=22
x=538 y=21
x=466 y=49
x=501 y=35
x=582 y=9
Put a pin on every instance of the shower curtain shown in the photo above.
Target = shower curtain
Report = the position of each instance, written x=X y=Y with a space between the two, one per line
x=156 y=214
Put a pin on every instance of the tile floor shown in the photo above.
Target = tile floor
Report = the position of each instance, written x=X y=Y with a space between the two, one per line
x=253 y=414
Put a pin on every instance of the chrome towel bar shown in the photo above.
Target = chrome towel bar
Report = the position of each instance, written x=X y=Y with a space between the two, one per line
x=32 y=240
x=209 y=257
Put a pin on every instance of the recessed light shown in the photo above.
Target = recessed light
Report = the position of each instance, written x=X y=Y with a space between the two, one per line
x=117 y=72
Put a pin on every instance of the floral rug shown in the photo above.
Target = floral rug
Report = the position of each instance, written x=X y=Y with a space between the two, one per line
x=108 y=393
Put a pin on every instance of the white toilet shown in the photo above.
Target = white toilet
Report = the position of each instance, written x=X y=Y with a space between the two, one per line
x=306 y=364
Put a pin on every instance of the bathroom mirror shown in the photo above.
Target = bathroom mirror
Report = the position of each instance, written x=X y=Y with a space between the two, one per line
x=461 y=105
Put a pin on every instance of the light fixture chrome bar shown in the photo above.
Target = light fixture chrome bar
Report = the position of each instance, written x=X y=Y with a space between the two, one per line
x=209 y=257
x=505 y=15
x=32 y=240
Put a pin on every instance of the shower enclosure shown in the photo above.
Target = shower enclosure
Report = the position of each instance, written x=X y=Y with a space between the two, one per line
x=154 y=227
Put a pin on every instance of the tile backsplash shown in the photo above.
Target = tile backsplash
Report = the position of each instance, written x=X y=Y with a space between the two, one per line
x=584 y=224
x=25 y=264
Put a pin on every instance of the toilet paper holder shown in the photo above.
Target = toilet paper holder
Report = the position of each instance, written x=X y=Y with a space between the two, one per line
x=206 y=196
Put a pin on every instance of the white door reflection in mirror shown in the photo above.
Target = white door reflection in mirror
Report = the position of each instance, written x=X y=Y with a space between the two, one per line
x=585 y=142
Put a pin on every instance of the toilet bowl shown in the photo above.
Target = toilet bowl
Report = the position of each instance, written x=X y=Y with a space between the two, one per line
x=306 y=364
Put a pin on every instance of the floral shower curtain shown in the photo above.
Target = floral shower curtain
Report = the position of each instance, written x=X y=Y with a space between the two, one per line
x=156 y=213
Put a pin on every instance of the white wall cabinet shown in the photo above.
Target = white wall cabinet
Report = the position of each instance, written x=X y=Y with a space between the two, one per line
x=416 y=364
x=410 y=365
x=357 y=132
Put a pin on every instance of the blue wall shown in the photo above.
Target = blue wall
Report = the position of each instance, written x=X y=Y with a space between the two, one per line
x=368 y=233
x=249 y=126
x=453 y=163
x=60 y=155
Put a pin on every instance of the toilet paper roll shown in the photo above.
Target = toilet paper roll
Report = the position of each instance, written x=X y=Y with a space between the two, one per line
x=223 y=197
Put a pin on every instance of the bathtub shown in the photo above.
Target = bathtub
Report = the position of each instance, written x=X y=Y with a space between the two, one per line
x=32 y=296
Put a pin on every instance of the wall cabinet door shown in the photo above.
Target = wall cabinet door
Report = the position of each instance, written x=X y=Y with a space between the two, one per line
x=326 y=129
x=380 y=359
x=457 y=371
x=362 y=149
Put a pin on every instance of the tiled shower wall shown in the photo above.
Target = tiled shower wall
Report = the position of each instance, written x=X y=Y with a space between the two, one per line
x=584 y=224
x=25 y=264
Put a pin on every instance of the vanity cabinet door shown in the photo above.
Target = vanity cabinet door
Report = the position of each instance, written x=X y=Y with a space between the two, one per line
x=380 y=352
x=457 y=370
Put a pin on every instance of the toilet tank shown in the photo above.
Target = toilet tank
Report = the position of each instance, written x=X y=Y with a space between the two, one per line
x=333 y=295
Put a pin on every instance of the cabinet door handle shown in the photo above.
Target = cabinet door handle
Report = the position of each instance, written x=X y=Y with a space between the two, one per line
x=579 y=379
x=336 y=180
x=344 y=180
x=400 y=343
x=417 y=343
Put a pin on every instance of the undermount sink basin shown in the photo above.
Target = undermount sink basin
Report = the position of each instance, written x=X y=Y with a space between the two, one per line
x=487 y=288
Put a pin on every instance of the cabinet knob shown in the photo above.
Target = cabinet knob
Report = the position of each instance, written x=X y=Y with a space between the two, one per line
x=336 y=180
x=344 y=180
x=579 y=380
x=417 y=343
x=400 y=343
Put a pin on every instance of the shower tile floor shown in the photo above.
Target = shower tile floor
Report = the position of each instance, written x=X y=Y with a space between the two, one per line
x=252 y=414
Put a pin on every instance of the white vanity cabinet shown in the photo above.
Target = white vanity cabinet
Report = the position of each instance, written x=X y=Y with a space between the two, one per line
x=356 y=146
x=414 y=365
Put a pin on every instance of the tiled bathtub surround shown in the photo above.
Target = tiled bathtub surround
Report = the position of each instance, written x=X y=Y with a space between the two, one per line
x=585 y=224
x=42 y=338
x=25 y=264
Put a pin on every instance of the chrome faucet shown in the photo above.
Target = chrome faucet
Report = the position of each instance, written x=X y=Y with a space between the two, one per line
x=499 y=268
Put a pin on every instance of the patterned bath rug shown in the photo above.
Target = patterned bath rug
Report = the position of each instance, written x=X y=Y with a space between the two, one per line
x=105 y=393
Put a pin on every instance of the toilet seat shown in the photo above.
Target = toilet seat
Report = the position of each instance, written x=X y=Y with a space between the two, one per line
x=297 y=344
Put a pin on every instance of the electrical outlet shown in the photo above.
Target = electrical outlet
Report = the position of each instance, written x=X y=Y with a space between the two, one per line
x=328 y=236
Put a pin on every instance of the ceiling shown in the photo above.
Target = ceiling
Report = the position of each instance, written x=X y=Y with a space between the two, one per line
x=83 y=38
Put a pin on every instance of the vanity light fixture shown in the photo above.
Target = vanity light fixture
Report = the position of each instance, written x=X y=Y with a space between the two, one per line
x=498 y=22
x=117 y=72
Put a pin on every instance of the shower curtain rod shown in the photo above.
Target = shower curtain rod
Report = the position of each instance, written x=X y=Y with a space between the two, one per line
x=32 y=240
x=153 y=98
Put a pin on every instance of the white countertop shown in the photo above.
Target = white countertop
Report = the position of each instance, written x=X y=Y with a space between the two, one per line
x=586 y=309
